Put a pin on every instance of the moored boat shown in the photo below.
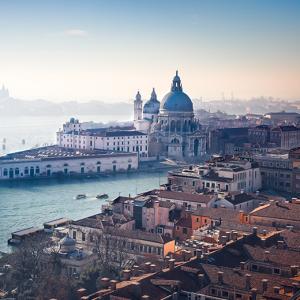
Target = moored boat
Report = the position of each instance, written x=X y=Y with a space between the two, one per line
x=81 y=196
x=102 y=196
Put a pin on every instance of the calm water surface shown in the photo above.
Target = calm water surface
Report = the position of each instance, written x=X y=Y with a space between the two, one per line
x=25 y=204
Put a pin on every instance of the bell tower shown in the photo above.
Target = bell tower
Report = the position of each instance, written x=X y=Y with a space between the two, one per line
x=138 y=107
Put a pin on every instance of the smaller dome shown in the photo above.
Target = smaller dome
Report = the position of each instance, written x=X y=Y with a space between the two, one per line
x=152 y=105
x=67 y=241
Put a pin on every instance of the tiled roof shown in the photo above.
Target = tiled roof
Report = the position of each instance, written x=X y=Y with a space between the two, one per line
x=189 y=197
x=218 y=213
x=278 y=257
x=236 y=279
x=184 y=222
x=286 y=211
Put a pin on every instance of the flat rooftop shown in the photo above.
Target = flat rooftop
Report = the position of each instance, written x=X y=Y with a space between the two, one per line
x=55 y=152
x=27 y=231
x=58 y=222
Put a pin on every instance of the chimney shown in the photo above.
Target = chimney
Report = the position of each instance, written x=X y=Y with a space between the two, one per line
x=295 y=287
x=248 y=281
x=201 y=279
x=113 y=285
x=264 y=232
x=135 y=270
x=280 y=244
x=264 y=283
x=253 y=294
x=152 y=268
x=294 y=270
x=147 y=266
x=81 y=292
x=234 y=235
x=220 y=277
x=104 y=282
x=199 y=253
x=137 y=290
x=223 y=240
x=171 y=263
x=267 y=255
x=242 y=265
x=126 y=274
x=276 y=289
x=254 y=230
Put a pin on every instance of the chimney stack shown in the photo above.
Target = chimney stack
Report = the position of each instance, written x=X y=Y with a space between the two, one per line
x=294 y=270
x=248 y=281
x=126 y=274
x=253 y=294
x=295 y=287
x=152 y=268
x=137 y=290
x=242 y=265
x=276 y=289
x=104 y=282
x=264 y=283
x=201 y=279
x=220 y=277
x=113 y=285
x=147 y=265
x=254 y=230
x=81 y=292
x=171 y=263
x=267 y=256
x=199 y=253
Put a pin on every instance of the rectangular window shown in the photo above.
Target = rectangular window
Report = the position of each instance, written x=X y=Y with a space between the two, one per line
x=74 y=235
x=83 y=236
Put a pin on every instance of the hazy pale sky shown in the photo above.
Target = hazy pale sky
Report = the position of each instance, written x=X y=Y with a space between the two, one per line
x=107 y=49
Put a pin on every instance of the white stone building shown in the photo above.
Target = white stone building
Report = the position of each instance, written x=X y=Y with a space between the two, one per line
x=59 y=161
x=227 y=175
x=72 y=136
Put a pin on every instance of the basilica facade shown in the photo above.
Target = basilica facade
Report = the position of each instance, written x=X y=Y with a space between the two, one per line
x=172 y=128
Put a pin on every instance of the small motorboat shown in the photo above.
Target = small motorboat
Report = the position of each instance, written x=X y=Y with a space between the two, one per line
x=102 y=196
x=80 y=196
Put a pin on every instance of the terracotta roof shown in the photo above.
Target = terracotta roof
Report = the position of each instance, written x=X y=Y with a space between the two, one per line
x=236 y=279
x=184 y=222
x=218 y=213
x=286 y=211
x=291 y=239
x=172 y=195
x=278 y=257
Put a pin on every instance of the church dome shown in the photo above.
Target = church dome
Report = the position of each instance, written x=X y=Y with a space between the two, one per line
x=176 y=100
x=67 y=244
x=152 y=105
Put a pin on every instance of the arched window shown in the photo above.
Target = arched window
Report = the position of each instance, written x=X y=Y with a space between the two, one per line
x=5 y=172
x=98 y=162
x=172 y=125
x=31 y=171
x=17 y=171
x=178 y=125
x=26 y=171
x=37 y=170
x=66 y=165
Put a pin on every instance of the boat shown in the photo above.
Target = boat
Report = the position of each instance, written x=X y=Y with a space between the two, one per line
x=102 y=196
x=80 y=196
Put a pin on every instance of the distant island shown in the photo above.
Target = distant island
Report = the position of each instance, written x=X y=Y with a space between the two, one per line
x=10 y=106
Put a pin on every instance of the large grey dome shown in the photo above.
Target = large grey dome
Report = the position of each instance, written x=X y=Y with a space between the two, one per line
x=152 y=105
x=176 y=100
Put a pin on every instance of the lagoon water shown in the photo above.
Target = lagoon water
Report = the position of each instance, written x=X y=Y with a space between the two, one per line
x=25 y=204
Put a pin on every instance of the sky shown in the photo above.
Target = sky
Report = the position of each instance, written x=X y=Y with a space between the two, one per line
x=106 y=50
